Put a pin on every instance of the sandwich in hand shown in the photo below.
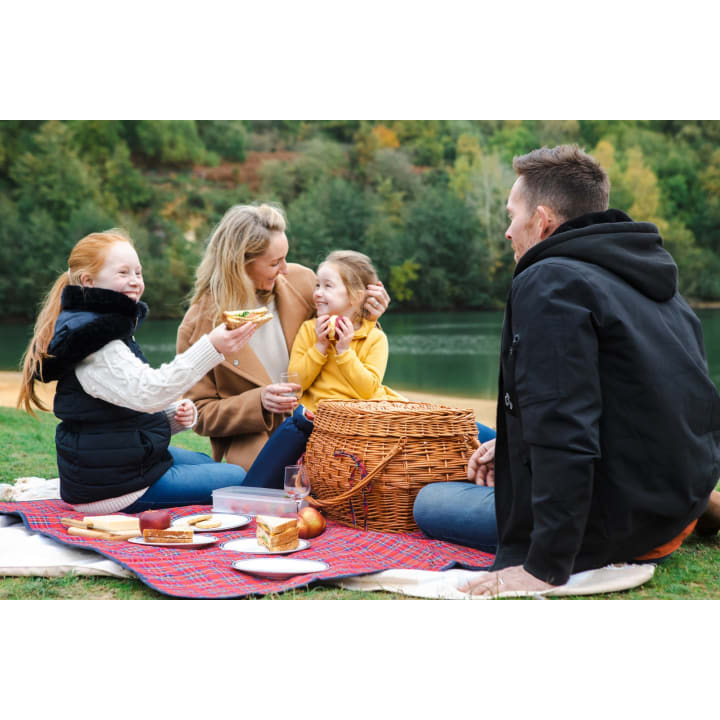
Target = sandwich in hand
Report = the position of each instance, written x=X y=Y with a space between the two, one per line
x=277 y=534
x=169 y=535
x=235 y=318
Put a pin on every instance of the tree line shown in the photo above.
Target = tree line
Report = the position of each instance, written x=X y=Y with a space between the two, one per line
x=424 y=199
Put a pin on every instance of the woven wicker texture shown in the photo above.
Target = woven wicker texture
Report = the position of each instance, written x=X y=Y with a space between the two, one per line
x=367 y=460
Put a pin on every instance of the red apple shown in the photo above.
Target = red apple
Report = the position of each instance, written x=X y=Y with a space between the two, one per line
x=155 y=519
x=311 y=523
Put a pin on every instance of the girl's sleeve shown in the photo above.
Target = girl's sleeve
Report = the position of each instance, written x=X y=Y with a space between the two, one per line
x=365 y=374
x=116 y=375
x=305 y=358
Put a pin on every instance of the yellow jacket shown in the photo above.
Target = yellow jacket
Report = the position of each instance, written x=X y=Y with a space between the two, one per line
x=356 y=374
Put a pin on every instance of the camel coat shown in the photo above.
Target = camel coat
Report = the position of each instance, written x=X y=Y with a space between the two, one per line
x=228 y=397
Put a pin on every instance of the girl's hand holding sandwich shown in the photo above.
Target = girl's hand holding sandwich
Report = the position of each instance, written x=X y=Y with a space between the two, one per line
x=227 y=341
x=344 y=332
x=322 y=330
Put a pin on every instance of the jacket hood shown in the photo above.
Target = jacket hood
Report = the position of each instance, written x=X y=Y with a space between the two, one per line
x=632 y=250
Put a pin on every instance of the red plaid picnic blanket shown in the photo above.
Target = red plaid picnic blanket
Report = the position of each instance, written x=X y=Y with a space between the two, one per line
x=208 y=572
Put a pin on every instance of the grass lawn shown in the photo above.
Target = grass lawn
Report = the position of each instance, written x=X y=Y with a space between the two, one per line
x=27 y=448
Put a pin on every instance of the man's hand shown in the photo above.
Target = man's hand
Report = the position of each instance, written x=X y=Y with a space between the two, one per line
x=481 y=466
x=508 y=579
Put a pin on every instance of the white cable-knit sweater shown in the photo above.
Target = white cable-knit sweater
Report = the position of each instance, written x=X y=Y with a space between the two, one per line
x=116 y=375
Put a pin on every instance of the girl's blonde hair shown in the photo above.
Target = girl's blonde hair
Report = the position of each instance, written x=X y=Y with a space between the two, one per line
x=87 y=257
x=356 y=271
x=242 y=236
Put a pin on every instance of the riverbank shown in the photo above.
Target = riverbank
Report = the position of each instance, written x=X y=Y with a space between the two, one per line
x=484 y=409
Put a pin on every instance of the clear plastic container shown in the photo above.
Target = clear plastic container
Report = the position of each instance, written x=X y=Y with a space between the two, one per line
x=254 y=501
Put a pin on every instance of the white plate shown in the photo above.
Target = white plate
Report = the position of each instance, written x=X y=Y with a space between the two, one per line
x=279 y=568
x=198 y=541
x=229 y=522
x=251 y=545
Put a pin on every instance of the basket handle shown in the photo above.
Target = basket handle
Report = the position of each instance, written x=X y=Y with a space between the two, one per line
x=315 y=502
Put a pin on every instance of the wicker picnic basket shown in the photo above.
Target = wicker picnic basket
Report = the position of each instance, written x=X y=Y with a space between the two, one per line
x=367 y=460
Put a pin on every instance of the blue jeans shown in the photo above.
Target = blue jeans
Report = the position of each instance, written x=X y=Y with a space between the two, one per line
x=459 y=512
x=284 y=447
x=190 y=481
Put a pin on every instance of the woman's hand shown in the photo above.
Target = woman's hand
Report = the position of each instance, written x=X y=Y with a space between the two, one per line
x=279 y=397
x=227 y=341
x=322 y=329
x=185 y=413
x=344 y=332
x=481 y=467
x=376 y=301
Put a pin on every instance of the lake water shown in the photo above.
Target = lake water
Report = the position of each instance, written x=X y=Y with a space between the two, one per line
x=454 y=353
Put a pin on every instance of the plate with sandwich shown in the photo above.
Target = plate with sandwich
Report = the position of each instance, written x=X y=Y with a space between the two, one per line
x=279 y=568
x=173 y=537
x=235 y=318
x=211 y=522
x=273 y=536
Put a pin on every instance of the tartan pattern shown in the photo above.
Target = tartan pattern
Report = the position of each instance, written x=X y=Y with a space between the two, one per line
x=207 y=573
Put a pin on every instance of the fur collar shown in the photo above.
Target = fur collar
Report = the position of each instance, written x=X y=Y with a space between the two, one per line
x=90 y=319
x=101 y=301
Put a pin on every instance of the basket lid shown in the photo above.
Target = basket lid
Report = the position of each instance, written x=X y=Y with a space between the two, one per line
x=393 y=418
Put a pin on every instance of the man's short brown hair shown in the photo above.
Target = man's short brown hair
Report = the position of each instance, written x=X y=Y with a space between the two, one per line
x=565 y=179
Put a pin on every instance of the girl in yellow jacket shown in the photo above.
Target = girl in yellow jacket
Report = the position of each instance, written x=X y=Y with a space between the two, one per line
x=340 y=355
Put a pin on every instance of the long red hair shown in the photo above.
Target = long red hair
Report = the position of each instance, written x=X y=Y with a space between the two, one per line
x=87 y=258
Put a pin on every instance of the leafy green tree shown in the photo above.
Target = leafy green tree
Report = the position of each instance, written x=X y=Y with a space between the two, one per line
x=317 y=159
x=331 y=215
x=174 y=143
x=124 y=186
x=52 y=177
x=94 y=140
x=442 y=236
x=394 y=166
x=515 y=138
x=401 y=279
x=227 y=138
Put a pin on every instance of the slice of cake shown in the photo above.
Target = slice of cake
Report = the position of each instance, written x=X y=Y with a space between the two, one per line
x=169 y=535
x=277 y=534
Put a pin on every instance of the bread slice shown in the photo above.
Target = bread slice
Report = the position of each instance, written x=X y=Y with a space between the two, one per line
x=169 y=535
x=112 y=523
x=275 y=525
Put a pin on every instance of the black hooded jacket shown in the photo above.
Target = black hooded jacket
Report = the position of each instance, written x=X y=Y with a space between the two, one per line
x=608 y=423
x=103 y=450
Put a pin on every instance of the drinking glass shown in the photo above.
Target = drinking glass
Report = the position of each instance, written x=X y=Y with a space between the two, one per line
x=291 y=377
x=297 y=483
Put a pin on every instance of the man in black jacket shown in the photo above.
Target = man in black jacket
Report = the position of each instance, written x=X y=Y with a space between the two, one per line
x=608 y=425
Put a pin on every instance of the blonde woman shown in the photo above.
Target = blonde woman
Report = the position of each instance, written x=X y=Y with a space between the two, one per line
x=242 y=401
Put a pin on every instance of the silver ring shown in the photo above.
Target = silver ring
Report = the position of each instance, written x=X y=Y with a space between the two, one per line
x=376 y=303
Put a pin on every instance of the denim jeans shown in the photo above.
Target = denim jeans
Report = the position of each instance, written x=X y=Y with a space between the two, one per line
x=190 y=481
x=284 y=447
x=459 y=512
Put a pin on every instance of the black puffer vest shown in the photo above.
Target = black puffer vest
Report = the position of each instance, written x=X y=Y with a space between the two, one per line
x=103 y=450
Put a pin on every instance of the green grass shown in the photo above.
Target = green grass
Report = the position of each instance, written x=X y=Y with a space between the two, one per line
x=27 y=448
